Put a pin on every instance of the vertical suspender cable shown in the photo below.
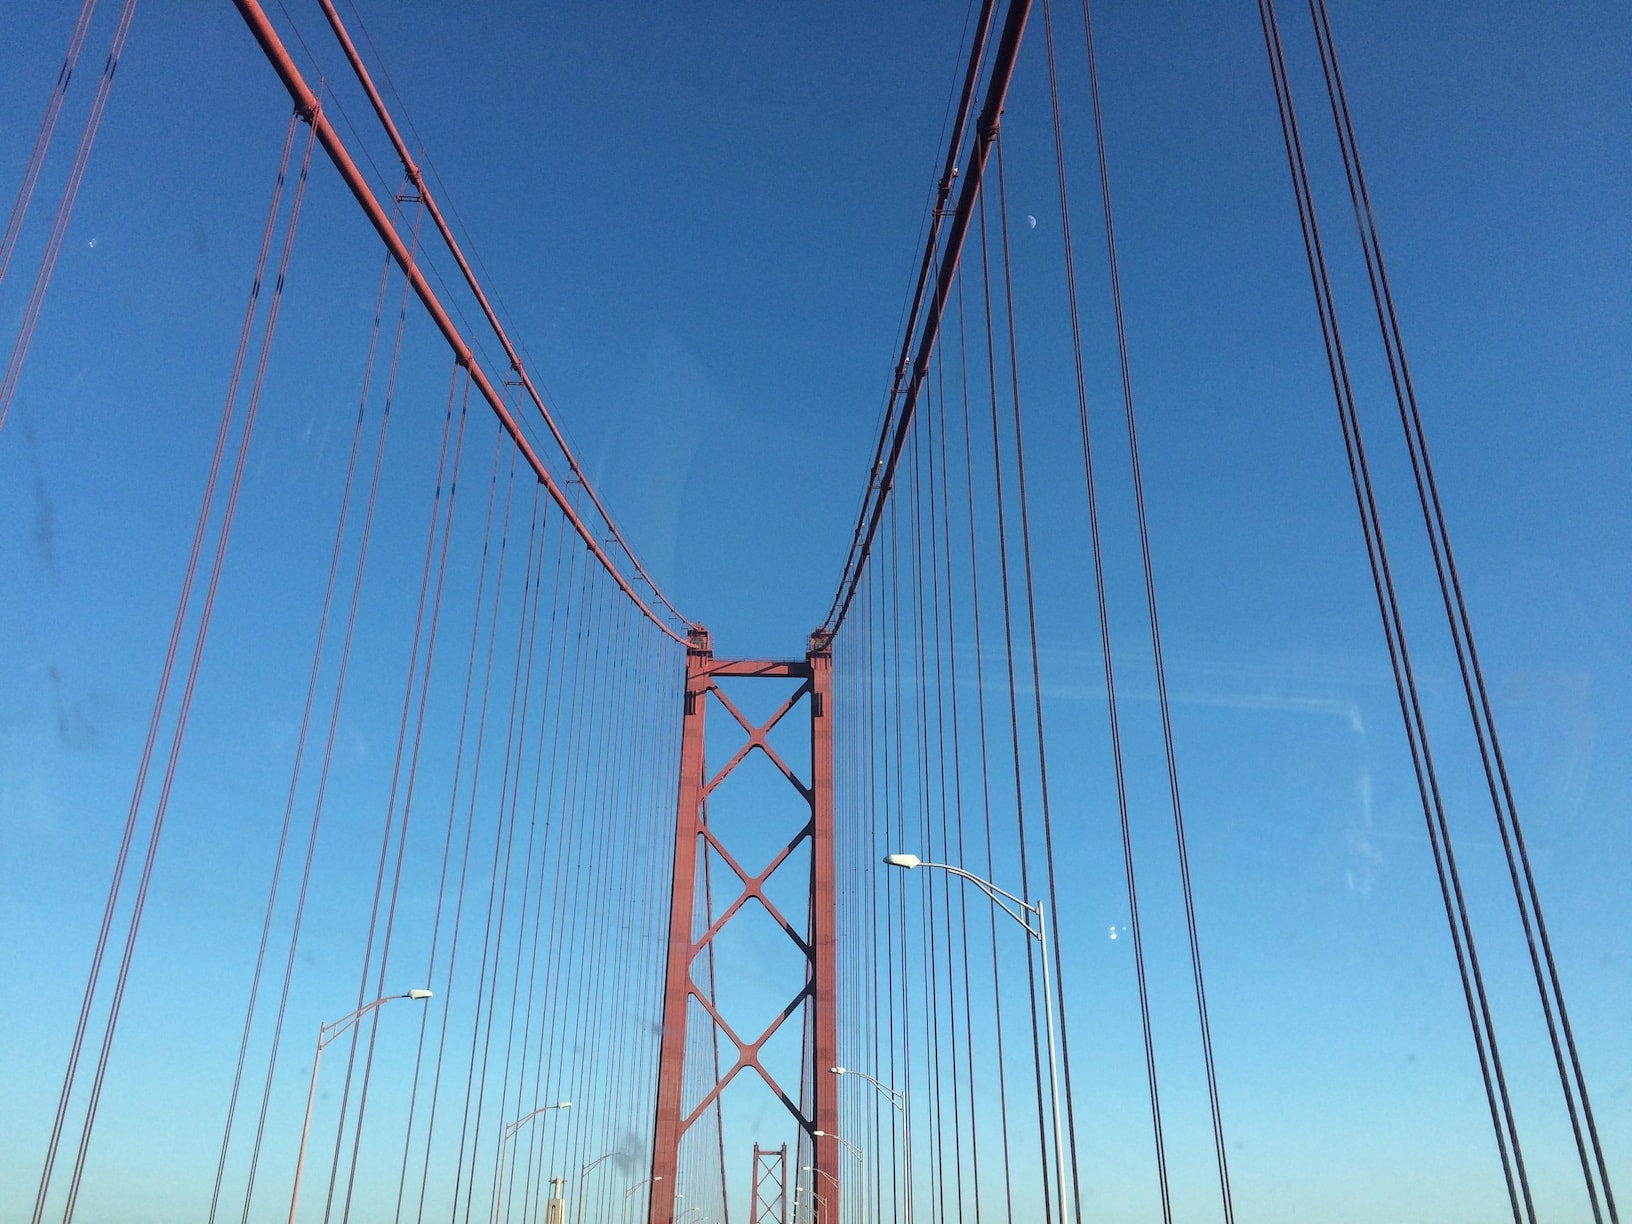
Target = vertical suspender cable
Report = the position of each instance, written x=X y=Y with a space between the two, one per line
x=42 y=141
x=1484 y=1035
x=1158 y=657
x=1106 y=653
x=179 y=731
x=1548 y=988
x=453 y=805
x=1008 y=638
x=1021 y=501
x=447 y=841
x=48 y=261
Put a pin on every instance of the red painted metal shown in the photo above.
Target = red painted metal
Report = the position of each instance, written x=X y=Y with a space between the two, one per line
x=306 y=103
x=677 y=988
x=824 y=891
x=770 y=1185
x=815 y=944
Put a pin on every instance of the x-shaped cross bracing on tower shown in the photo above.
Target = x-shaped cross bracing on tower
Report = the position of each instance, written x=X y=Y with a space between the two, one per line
x=694 y=832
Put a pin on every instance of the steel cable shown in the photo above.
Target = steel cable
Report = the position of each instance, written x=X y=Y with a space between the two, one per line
x=42 y=140
x=201 y=631
x=1456 y=611
x=447 y=840
x=65 y=208
x=289 y=805
x=469 y=823
x=1473 y=987
x=1158 y=658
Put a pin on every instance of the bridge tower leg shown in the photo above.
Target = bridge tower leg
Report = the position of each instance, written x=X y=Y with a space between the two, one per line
x=812 y=938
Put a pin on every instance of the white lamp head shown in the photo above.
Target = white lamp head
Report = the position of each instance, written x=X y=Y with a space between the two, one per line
x=909 y=861
x=563 y=1104
x=835 y=1070
x=418 y=995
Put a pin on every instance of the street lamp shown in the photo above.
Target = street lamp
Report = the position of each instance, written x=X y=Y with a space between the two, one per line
x=839 y=1139
x=642 y=1182
x=639 y=1184
x=504 y=1144
x=1020 y=913
x=326 y=1033
x=821 y=1203
x=898 y=1098
x=843 y=1142
x=822 y=1172
x=584 y=1172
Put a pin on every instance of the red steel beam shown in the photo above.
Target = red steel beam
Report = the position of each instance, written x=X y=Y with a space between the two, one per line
x=306 y=103
x=824 y=1087
x=816 y=949
x=793 y=669
x=671 y=1063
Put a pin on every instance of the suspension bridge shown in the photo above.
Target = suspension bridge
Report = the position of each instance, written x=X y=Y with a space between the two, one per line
x=384 y=839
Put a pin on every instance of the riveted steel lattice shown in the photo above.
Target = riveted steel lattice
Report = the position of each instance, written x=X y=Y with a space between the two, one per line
x=770 y=1185
x=812 y=1102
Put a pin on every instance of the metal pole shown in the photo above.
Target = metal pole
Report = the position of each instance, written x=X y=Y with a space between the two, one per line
x=906 y=1156
x=306 y=1127
x=325 y=1034
x=1053 y=1064
x=583 y=1176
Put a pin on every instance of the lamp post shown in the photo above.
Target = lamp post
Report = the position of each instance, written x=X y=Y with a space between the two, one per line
x=504 y=1146
x=861 y=1158
x=843 y=1142
x=820 y=1173
x=815 y=1172
x=821 y=1203
x=898 y=1098
x=1021 y=913
x=642 y=1182
x=326 y=1033
x=584 y=1172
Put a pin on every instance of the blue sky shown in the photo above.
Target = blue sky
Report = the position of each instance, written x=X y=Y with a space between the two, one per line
x=702 y=226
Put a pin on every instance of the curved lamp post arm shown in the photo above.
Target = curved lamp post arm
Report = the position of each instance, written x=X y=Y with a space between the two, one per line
x=999 y=897
x=644 y=1181
x=897 y=1097
x=512 y=1128
x=584 y=1172
x=843 y=1142
x=504 y=1146
x=819 y=1173
x=328 y=1032
x=821 y=1201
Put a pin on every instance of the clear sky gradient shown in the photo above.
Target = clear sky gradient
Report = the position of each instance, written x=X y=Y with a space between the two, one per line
x=702 y=223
